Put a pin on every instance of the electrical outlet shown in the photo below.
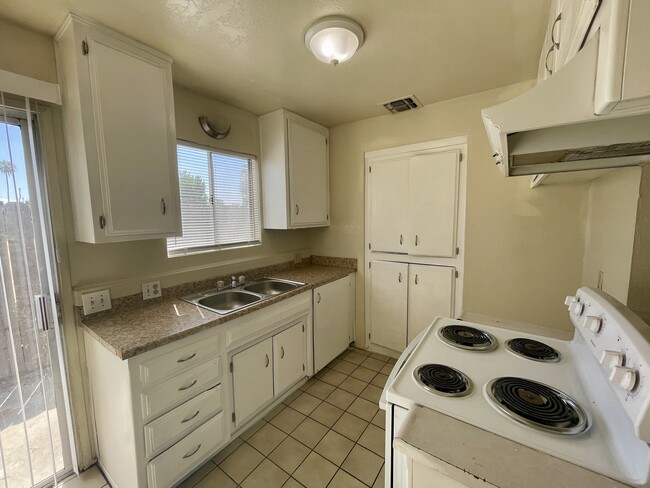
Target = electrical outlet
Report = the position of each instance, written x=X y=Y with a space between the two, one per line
x=151 y=290
x=96 y=301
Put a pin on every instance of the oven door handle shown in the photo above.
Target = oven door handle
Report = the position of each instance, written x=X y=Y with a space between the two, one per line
x=398 y=365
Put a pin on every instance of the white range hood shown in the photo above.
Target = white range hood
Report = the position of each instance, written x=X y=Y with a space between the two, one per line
x=594 y=113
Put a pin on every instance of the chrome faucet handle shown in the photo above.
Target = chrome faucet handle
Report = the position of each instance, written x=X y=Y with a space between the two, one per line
x=241 y=280
x=220 y=285
x=233 y=281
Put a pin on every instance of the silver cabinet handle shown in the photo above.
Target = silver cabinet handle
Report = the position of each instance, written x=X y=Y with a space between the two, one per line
x=297 y=209
x=187 y=419
x=401 y=239
x=190 y=454
x=188 y=386
x=102 y=221
x=548 y=70
x=416 y=279
x=416 y=239
x=556 y=44
x=163 y=207
x=268 y=361
x=281 y=352
x=399 y=277
x=317 y=297
x=186 y=358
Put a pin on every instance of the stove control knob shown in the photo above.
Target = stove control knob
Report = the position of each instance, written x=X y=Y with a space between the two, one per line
x=576 y=308
x=569 y=300
x=626 y=378
x=592 y=323
x=612 y=359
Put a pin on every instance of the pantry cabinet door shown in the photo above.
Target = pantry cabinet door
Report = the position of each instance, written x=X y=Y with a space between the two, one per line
x=133 y=113
x=388 y=304
x=433 y=204
x=430 y=295
x=252 y=379
x=289 y=357
x=308 y=174
x=388 y=194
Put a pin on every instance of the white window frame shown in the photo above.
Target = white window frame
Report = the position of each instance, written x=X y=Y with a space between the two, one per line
x=201 y=249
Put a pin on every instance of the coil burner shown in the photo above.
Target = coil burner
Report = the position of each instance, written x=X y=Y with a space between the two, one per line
x=443 y=380
x=537 y=405
x=534 y=350
x=469 y=338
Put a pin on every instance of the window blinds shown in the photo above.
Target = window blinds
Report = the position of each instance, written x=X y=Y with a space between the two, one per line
x=219 y=201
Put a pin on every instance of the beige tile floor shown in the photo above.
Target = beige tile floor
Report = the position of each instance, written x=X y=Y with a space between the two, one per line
x=330 y=433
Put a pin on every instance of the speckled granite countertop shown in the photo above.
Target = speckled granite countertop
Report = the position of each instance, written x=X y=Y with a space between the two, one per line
x=132 y=326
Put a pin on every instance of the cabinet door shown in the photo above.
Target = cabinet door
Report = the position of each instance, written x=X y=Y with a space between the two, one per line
x=433 y=204
x=388 y=304
x=252 y=379
x=289 y=356
x=575 y=20
x=134 y=128
x=332 y=321
x=388 y=193
x=431 y=294
x=308 y=174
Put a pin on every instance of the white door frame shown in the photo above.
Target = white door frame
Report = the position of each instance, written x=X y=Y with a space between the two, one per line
x=458 y=142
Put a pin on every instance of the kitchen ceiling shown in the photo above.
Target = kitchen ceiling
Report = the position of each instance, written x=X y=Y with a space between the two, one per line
x=251 y=53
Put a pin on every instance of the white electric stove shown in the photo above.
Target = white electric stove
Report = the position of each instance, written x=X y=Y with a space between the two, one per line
x=585 y=401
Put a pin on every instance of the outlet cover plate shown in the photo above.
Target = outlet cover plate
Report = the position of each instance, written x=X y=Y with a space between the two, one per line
x=151 y=289
x=96 y=301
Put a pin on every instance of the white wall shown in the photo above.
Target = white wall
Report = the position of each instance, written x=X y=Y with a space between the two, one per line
x=609 y=239
x=639 y=292
x=523 y=247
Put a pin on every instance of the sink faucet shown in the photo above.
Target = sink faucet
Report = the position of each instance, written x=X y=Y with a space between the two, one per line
x=233 y=281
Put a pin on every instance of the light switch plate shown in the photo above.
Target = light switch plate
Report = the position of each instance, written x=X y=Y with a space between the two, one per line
x=96 y=301
x=151 y=290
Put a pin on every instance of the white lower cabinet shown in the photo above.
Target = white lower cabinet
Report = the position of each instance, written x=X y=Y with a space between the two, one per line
x=333 y=320
x=404 y=300
x=161 y=414
x=252 y=379
x=172 y=465
x=288 y=357
x=265 y=370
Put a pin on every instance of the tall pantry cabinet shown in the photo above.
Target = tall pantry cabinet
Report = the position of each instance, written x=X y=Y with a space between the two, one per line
x=415 y=208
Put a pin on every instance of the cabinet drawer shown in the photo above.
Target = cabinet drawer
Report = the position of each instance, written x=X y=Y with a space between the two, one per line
x=168 y=364
x=186 y=454
x=173 y=425
x=180 y=388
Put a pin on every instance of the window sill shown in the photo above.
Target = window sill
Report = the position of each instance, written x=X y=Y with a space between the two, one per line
x=194 y=252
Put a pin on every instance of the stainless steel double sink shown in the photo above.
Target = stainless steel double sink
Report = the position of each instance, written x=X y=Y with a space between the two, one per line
x=230 y=300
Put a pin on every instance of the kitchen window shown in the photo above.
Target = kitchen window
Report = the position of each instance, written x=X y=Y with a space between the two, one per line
x=220 y=203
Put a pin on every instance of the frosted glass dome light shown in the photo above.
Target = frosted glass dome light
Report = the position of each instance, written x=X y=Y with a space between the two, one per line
x=335 y=39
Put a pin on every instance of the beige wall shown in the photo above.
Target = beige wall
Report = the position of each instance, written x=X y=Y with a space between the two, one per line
x=26 y=52
x=523 y=247
x=639 y=292
x=123 y=266
x=609 y=239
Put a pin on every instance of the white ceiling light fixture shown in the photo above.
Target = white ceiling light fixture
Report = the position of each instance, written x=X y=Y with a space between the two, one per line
x=334 y=39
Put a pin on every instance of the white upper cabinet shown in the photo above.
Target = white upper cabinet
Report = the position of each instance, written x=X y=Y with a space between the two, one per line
x=413 y=204
x=295 y=171
x=432 y=204
x=120 y=135
x=388 y=205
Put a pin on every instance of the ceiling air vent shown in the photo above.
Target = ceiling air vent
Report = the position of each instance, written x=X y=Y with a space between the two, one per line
x=402 y=104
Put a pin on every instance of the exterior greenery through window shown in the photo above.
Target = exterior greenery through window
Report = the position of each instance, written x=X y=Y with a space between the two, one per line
x=219 y=201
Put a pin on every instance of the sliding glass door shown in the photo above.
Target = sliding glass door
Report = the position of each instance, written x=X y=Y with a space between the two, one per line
x=34 y=424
